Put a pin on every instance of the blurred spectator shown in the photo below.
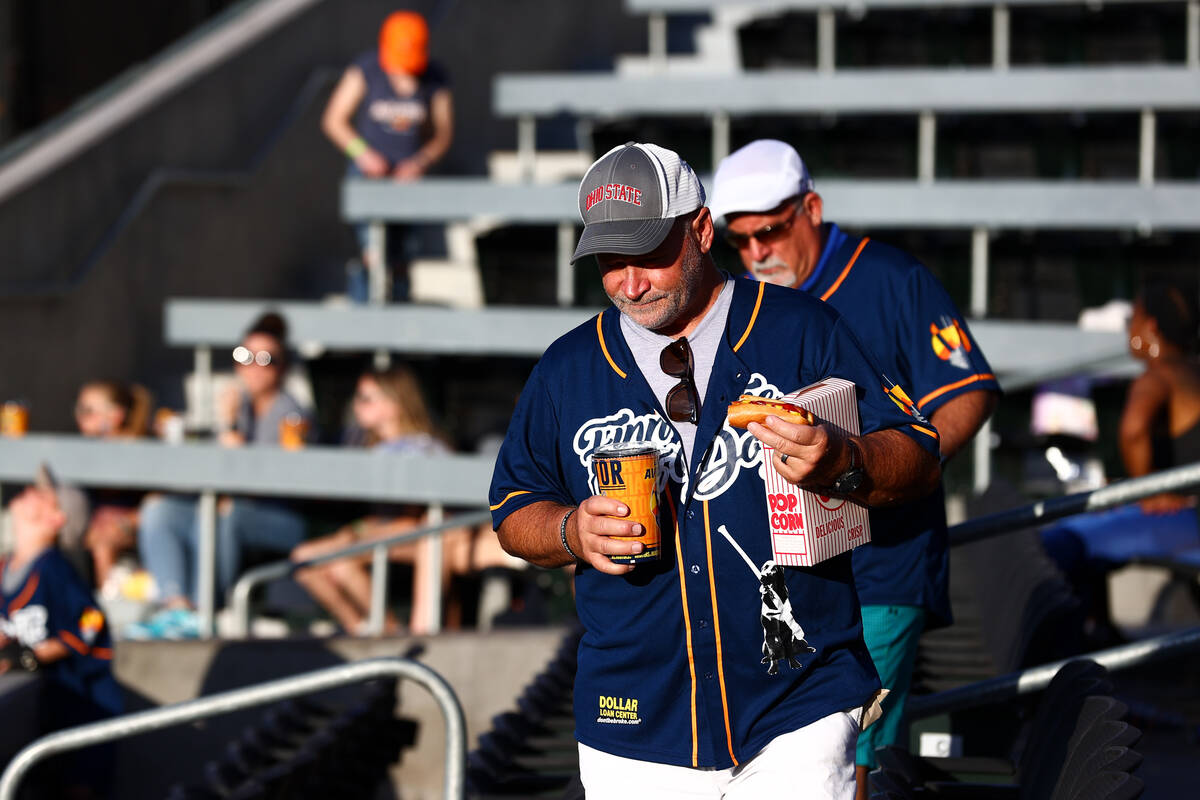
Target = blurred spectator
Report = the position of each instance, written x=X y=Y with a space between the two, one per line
x=111 y=410
x=392 y=115
x=1160 y=426
x=50 y=623
x=254 y=412
x=389 y=408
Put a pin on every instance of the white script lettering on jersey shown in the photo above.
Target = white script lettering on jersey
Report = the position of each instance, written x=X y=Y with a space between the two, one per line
x=624 y=426
x=27 y=625
x=733 y=450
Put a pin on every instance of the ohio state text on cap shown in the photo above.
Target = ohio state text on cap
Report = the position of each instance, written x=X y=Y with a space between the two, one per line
x=630 y=197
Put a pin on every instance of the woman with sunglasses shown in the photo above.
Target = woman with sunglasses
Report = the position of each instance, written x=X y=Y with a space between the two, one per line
x=251 y=413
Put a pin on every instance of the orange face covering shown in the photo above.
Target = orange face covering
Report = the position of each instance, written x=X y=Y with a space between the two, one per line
x=404 y=43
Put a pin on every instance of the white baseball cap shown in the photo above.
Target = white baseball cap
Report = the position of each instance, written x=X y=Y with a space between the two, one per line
x=630 y=197
x=757 y=178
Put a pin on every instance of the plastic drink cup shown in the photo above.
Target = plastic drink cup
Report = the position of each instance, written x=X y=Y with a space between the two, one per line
x=293 y=430
x=14 y=418
x=629 y=472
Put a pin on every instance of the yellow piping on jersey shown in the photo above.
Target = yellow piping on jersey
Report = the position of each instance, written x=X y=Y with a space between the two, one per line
x=687 y=627
x=508 y=497
x=712 y=585
x=949 y=387
x=846 y=271
x=753 y=316
x=926 y=431
x=604 y=347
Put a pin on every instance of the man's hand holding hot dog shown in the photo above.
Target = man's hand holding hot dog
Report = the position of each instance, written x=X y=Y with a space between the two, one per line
x=815 y=456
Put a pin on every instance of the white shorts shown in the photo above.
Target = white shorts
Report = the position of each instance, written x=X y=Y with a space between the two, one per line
x=815 y=762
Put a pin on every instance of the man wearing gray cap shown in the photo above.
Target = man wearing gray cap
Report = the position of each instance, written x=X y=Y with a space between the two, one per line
x=907 y=320
x=676 y=694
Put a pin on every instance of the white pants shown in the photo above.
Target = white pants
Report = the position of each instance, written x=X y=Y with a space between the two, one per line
x=815 y=762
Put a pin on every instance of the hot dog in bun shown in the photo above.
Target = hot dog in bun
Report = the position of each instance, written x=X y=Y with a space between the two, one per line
x=749 y=408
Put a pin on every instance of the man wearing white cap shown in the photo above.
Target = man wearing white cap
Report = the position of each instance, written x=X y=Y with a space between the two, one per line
x=675 y=695
x=903 y=315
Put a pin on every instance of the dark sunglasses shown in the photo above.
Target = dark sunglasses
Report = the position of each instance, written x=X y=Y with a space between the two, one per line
x=683 y=401
x=767 y=234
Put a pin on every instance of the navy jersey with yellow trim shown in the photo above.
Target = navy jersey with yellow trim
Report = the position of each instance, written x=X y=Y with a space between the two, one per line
x=907 y=320
x=53 y=603
x=670 y=665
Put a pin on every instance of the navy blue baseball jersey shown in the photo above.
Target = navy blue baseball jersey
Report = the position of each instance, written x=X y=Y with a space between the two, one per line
x=904 y=316
x=53 y=603
x=674 y=662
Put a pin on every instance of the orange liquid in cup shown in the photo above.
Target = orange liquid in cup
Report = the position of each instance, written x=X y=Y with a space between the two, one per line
x=293 y=430
x=629 y=473
x=14 y=419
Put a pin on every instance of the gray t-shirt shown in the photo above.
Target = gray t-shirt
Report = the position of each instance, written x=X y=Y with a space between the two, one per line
x=646 y=346
x=265 y=429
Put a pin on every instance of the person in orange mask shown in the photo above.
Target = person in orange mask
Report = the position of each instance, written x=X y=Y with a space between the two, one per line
x=393 y=116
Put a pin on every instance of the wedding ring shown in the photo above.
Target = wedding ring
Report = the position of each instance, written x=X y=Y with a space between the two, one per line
x=783 y=458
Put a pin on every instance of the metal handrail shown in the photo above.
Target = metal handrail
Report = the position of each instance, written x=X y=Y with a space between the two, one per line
x=454 y=781
x=1034 y=679
x=239 y=598
x=1116 y=494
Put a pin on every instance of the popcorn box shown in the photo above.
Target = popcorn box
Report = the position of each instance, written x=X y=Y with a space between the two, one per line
x=808 y=528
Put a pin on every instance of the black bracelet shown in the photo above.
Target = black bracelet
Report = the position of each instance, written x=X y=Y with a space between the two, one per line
x=562 y=534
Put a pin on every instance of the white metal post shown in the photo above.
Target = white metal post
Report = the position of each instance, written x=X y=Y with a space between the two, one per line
x=565 y=273
x=379 y=591
x=205 y=413
x=1193 y=34
x=720 y=137
x=926 y=146
x=434 y=544
x=206 y=562
x=979 y=272
x=377 y=266
x=658 y=40
x=982 y=452
x=1000 y=38
x=526 y=145
x=1146 y=148
x=826 y=39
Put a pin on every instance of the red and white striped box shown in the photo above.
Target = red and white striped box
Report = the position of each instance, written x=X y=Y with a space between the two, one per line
x=807 y=528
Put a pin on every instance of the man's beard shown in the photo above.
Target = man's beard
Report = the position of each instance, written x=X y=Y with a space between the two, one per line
x=780 y=272
x=656 y=310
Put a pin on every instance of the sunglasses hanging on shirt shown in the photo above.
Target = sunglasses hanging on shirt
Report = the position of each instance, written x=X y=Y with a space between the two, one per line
x=683 y=401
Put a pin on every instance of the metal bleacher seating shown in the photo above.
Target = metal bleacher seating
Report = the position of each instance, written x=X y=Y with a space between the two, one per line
x=303 y=749
x=1076 y=744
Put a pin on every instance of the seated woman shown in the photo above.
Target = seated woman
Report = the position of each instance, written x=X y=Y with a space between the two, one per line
x=1160 y=426
x=389 y=408
x=253 y=413
x=111 y=410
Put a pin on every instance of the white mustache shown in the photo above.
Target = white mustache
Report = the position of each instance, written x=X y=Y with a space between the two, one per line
x=770 y=263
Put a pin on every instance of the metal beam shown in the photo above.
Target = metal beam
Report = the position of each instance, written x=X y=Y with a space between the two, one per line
x=965 y=90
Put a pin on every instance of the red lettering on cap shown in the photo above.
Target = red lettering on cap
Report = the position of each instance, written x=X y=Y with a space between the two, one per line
x=613 y=191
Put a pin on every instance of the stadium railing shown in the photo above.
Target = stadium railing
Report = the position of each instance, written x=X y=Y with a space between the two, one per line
x=208 y=469
x=1034 y=679
x=826 y=10
x=454 y=780
x=240 y=594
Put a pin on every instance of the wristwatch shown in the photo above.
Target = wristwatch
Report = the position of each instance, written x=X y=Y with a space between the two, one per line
x=849 y=481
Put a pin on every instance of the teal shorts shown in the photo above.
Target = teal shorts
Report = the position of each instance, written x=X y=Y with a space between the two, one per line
x=891 y=634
